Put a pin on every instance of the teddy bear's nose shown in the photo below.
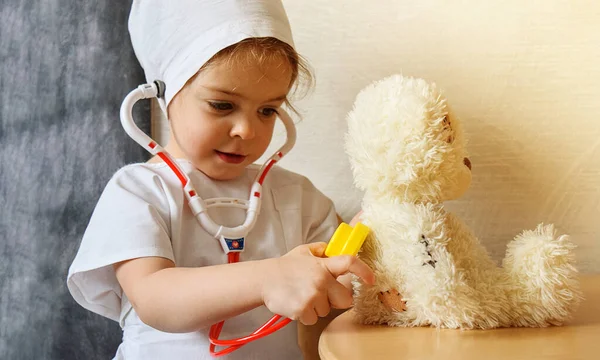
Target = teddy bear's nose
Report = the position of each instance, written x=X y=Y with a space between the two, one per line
x=467 y=163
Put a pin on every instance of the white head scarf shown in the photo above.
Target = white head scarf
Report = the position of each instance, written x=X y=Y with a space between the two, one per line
x=172 y=39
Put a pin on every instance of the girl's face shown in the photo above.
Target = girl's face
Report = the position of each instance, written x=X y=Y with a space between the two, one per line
x=222 y=120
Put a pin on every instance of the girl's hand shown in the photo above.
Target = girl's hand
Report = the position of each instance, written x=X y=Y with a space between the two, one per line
x=302 y=284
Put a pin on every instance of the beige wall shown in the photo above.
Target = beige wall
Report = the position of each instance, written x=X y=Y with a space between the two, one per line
x=523 y=75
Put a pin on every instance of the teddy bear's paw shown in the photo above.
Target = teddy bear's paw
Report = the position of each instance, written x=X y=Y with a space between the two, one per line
x=393 y=300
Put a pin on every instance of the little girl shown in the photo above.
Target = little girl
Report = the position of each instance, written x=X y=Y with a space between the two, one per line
x=144 y=260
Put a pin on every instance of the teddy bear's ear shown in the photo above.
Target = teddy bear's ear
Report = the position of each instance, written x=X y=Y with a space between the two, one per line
x=403 y=139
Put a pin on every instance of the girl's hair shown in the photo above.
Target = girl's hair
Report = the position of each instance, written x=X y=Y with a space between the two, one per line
x=263 y=49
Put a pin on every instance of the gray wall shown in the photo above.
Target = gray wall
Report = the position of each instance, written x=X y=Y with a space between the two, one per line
x=65 y=67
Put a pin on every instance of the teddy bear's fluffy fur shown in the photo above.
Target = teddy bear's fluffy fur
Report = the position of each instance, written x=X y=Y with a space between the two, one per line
x=407 y=152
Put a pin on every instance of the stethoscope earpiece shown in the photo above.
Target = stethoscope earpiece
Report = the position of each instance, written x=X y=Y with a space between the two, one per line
x=161 y=88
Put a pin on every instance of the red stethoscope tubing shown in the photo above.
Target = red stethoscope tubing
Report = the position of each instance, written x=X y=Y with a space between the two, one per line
x=274 y=324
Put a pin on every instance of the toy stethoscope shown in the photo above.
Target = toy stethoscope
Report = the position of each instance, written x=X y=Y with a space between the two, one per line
x=346 y=240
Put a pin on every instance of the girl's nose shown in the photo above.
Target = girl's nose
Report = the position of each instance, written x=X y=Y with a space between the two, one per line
x=243 y=127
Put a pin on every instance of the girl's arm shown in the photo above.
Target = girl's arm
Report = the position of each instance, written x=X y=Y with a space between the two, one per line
x=178 y=299
x=300 y=285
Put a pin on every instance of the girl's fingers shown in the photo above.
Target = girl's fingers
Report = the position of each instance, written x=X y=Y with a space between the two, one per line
x=340 y=297
x=340 y=265
x=308 y=317
x=322 y=307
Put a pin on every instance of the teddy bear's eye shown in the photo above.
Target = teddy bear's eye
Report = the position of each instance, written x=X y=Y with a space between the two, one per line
x=448 y=128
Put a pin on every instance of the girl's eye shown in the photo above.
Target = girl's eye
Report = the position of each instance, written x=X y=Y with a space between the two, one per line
x=221 y=106
x=268 y=112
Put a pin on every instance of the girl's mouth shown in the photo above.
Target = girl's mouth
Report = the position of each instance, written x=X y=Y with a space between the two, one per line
x=231 y=158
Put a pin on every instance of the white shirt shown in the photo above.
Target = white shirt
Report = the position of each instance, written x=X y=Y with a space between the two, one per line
x=142 y=212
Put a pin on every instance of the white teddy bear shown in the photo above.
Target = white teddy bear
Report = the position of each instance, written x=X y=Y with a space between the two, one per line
x=407 y=152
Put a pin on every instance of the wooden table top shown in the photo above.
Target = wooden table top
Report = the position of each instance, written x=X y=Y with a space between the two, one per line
x=578 y=339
